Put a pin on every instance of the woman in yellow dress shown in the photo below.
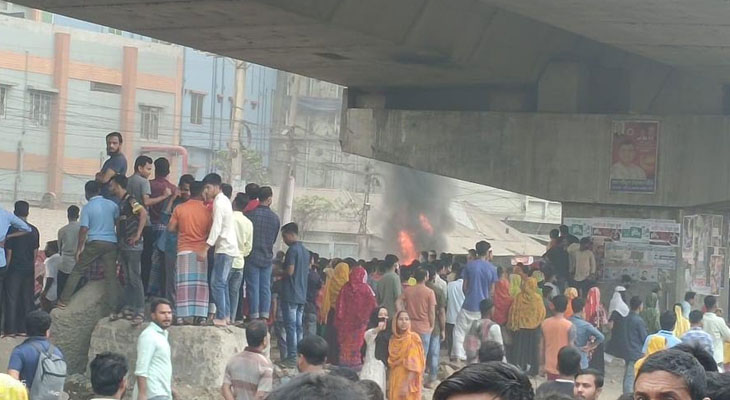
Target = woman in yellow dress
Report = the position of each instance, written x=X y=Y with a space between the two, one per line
x=406 y=360
x=525 y=316
x=332 y=288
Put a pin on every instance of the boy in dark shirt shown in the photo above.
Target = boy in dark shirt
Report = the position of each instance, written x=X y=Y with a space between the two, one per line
x=568 y=366
x=21 y=250
x=279 y=331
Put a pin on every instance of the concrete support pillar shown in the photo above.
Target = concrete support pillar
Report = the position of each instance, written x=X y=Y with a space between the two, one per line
x=57 y=144
x=563 y=88
x=129 y=101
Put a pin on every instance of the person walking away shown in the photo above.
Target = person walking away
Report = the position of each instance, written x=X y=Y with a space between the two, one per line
x=191 y=220
x=406 y=360
x=68 y=242
x=696 y=334
x=688 y=303
x=584 y=271
x=483 y=331
x=389 y=289
x=717 y=328
x=557 y=332
x=115 y=165
x=558 y=258
x=374 y=369
x=21 y=251
x=525 y=317
x=618 y=310
x=635 y=336
x=294 y=289
x=438 y=335
x=222 y=236
x=587 y=336
x=479 y=279
x=420 y=303
x=354 y=305
x=454 y=302
x=97 y=242
x=131 y=223
x=159 y=187
x=53 y=261
x=27 y=356
x=568 y=366
x=314 y=285
x=595 y=314
x=682 y=325
x=108 y=376
x=651 y=311
x=154 y=359
x=244 y=242
x=258 y=271
x=249 y=375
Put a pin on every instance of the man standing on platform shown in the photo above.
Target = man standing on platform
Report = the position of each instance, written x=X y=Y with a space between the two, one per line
x=258 y=265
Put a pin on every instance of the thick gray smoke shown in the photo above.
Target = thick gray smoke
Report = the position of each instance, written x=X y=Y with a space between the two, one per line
x=418 y=206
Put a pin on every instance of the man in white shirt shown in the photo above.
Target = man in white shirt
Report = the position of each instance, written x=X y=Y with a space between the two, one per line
x=223 y=237
x=454 y=300
x=717 y=328
x=244 y=237
x=68 y=240
x=52 y=264
x=584 y=266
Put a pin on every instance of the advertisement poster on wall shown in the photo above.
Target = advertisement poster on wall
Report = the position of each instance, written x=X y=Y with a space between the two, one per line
x=634 y=156
x=704 y=253
x=645 y=250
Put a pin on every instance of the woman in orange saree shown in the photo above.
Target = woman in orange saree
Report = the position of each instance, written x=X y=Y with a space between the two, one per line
x=406 y=360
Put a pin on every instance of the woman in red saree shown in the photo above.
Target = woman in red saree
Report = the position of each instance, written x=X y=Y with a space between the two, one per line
x=354 y=306
x=502 y=298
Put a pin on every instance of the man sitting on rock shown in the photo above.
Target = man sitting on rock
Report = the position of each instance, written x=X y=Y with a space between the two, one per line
x=109 y=376
x=249 y=375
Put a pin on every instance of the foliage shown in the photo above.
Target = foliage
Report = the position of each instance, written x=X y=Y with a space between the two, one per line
x=252 y=166
x=309 y=208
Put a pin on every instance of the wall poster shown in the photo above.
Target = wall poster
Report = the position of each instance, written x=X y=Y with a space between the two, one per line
x=704 y=244
x=634 y=155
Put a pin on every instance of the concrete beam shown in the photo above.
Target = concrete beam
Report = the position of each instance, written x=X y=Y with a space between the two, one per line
x=561 y=157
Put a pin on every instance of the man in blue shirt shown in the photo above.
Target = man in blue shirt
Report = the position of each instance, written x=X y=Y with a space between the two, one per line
x=258 y=264
x=587 y=336
x=98 y=220
x=636 y=333
x=696 y=335
x=294 y=289
x=479 y=279
x=666 y=321
x=24 y=358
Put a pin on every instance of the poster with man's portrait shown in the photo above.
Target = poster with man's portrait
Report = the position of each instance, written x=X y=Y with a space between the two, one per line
x=634 y=156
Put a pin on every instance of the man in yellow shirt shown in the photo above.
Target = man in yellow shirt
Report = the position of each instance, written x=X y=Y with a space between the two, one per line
x=244 y=237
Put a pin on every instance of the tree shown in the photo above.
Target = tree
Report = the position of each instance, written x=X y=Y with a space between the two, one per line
x=309 y=208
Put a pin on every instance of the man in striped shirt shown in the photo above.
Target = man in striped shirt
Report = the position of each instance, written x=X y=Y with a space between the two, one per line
x=249 y=375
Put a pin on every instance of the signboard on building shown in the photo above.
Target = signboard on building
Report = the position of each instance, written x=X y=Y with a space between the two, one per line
x=634 y=156
x=645 y=250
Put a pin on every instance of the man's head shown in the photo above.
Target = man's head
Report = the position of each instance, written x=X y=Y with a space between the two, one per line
x=91 y=189
x=432 y=256
x=711 y=303
x=578 y=305
x=118 y=185
x=636 y=304
x=143 y=166
x=689 y=297
x=667 y=320
x=695 y=318
x=290 y=233
x=344 y=372
x=184 y=186
x=560 y=303
x=161 y=313
x=471 y=254
x=485 y=307
x=372 y=389
x=266 y=195
x=109 y=374
x=706 y=359
x=252 y=191
x=390 y=263
x=420 y=275
x=227 y=190
x=318 y=387
x=492 y=380
x=554 y=233
x=51 y=248
x=240 y=202
x=312 y=353
x=483 y=247
x=491 y=351
x=113 y=143
x=568 y=361
x=37 y=323
x=585 y=243
x=670 y=374
x=257 y=334
x=588 y=384
x=212 y=186
x=22 y=209
x=196 y=190
x=564 y=230
x=162 y=167
x=72 y=213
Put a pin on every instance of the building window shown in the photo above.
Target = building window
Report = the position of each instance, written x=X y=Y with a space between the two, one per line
x=150 y=123
x=115 y=31
x=104 y=87
x=196 y=108
x=40 y=107
x=3 y=100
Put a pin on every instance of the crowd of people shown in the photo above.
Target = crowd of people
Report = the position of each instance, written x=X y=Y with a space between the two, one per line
x=362 y=329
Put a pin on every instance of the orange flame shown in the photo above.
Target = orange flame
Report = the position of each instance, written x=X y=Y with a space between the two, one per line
x=426 y=224
x=407 y=248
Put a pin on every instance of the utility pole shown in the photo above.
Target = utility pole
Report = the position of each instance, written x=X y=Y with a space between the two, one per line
x=286 y=198
x=363 y=242
x=233 y=170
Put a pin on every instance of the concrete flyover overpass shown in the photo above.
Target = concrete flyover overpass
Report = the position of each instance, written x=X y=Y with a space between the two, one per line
x=525 y=95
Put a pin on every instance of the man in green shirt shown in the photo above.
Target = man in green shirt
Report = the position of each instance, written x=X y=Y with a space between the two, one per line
x=389 y=287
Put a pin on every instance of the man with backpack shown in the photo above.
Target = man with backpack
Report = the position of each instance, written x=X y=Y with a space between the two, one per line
x=37 y=362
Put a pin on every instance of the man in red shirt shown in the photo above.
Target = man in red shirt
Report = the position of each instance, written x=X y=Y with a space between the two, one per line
x=557 y=332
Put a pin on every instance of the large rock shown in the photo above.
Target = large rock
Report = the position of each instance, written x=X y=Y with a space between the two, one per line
x=7 y=344
x=72 y=327
x=199 y=353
